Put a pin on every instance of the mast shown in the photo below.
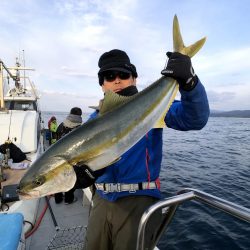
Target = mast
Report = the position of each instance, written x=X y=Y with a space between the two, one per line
x=24 y=82
x=2 y=106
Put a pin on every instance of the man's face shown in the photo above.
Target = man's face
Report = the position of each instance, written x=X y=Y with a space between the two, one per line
x=117 y=80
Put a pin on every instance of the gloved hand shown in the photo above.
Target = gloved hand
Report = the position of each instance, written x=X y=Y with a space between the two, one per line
x=85 y=177
x=180 y=68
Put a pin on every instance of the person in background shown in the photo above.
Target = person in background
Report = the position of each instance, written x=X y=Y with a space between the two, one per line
x=125 y=189
x=52 y=126
x=72 y=121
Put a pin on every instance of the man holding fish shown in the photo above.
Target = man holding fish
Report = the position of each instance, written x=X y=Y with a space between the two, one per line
x=130 y=185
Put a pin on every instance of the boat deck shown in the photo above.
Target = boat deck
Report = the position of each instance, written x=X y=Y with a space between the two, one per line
x=67 y=216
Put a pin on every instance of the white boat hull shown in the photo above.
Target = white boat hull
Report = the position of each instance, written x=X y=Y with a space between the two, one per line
x=27 y=208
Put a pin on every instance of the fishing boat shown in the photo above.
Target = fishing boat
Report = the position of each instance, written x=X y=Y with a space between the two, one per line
x=20 y=135
x=61 y=226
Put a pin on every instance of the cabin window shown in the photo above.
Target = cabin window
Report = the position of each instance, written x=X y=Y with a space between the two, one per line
x=20 y=105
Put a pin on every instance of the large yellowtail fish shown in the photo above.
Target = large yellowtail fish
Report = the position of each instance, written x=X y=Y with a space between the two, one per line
x=121 y=123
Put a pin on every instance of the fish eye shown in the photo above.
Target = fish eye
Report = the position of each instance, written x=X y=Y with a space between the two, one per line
x=39 y=180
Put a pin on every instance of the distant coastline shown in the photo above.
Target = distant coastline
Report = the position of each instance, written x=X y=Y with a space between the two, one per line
x=213 y=113
x=233 y=113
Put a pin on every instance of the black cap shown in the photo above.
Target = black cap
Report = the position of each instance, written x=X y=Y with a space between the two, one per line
x=76 y=111
x=116 y=60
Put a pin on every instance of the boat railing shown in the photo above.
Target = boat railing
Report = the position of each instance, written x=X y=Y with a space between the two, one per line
x=3 y=66
x=167 y=207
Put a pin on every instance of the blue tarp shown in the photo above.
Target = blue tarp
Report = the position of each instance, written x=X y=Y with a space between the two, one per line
x=11 y=226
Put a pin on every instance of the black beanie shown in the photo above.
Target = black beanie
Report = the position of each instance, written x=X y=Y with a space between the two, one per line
x=115 y=60
x=76 y=111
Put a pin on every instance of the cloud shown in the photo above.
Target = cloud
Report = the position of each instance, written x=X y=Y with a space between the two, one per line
x=63 y=41
x=60 y=101
x=226 y=100
x=77 y=73
x=220 y=96
x=226 y=62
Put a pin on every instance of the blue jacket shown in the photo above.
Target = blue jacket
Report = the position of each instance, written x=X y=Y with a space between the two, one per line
x=142 y=162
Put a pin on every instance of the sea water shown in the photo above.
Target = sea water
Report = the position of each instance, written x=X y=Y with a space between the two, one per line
x=216 y=160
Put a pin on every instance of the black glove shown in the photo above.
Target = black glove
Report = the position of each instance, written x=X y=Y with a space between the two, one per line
x=180 y=68
x=85 y=177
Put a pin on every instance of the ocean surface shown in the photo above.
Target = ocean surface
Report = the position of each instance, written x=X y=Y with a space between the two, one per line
x=215 y=160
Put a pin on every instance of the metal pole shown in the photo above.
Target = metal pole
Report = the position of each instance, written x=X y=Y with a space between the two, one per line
x=2 y=106
x=52 y=214
x=24 y=82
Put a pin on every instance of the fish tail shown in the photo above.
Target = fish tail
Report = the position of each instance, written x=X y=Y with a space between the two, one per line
x=179 y=44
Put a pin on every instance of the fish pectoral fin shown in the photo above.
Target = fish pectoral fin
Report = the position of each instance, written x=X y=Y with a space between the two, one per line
x=112 y=100
x=65 y=174
x=94 y=107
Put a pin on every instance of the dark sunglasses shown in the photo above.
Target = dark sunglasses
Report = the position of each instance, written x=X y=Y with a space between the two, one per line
x=110 y=76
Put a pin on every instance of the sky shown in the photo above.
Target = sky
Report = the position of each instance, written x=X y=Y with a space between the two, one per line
x=63 y=40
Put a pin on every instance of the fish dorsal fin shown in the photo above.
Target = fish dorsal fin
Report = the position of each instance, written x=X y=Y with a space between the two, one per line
x=179 y=44
x=94 y=107
x=112 y=100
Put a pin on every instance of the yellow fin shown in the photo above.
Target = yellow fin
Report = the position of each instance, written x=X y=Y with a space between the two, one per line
x=160 y=123
x=179 y=44
x=112 y=100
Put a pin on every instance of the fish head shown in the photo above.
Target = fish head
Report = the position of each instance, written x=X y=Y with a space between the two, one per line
x=42 y=180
